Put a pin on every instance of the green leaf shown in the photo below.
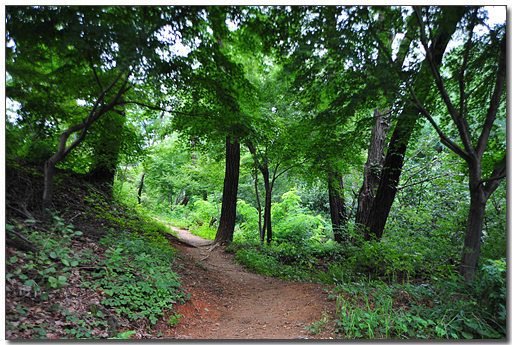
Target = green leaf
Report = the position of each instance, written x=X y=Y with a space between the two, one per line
x=65 y=262
x=467 y=335
x=14 y=259
x=30 y=282
x=22 y=276
x=53 y=255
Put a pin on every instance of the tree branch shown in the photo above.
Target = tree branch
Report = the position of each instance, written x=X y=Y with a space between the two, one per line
x=293 y=166
x=462 y=127
x=495 y=100
x=493 y=178
x=465 y=62
x=497 y=175
x=426 y=180
x=444 y=139
x=95 y=74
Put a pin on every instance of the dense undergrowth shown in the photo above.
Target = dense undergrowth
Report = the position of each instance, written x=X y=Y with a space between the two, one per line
x=383 y=290
x=129 y=275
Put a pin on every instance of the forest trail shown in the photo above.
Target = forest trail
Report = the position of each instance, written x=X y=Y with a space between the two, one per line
x=228 y=302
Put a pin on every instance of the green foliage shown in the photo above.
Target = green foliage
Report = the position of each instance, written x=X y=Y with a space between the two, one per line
x=372 y=310
x=174 y=319
x=137 y=278
x=202 y=219
x=51 y=264
x=124 y=335
x=491 y=288
x=142 y=224
x=380 y=257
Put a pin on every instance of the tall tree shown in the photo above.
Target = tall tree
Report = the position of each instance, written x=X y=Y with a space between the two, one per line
x=94 y=60
x=337 y=207
x=372 y=167
x=215 y=102
x=474 y=97
x=229 y=193
x=446 y=23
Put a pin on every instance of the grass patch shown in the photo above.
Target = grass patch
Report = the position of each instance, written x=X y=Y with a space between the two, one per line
x=374 y=310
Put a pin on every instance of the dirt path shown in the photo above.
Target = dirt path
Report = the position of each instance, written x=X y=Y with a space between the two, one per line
x=227 y=302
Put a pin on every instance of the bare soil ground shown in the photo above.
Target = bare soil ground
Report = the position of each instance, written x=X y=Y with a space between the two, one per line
x=228 y=302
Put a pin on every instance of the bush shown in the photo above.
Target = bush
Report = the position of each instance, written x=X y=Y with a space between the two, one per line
x=491 y=288
x=380 y=257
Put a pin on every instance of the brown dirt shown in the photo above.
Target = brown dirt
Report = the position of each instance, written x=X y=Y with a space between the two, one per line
x=228 y=302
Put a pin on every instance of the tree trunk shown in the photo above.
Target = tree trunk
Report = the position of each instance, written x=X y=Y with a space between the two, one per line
x=267 y=219
x=390 y=174
x=107 y=150
x=406 y=121
x=337 y=206
x=63 y=151
x=372 y=168
x=267 y=226
x=480 y=192
x=472 y=241
x=230 y=192
x=258 y=202
x=185 y=200
x=49 y=184
x=141 y=185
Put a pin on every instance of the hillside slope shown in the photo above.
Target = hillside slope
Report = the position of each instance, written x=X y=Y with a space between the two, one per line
x=74 y=277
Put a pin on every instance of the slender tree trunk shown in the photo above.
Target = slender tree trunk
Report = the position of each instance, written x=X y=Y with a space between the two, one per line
x=141 y=185
x=258 y=202
x=268 y=213
x=187 y=196
x=268 y=194
x=480 y=192
x=267 y=219
x=372 y=168
x=337 y=206
x=230 y=192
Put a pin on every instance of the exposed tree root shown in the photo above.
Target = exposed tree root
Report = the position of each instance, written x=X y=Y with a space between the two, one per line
x=209 y=250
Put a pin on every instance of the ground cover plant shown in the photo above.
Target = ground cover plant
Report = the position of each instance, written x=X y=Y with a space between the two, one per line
x=127 y=278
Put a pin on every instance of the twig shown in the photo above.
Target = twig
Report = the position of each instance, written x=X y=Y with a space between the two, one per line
x=426 y=180
x=25 y=213
x=20 y=235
